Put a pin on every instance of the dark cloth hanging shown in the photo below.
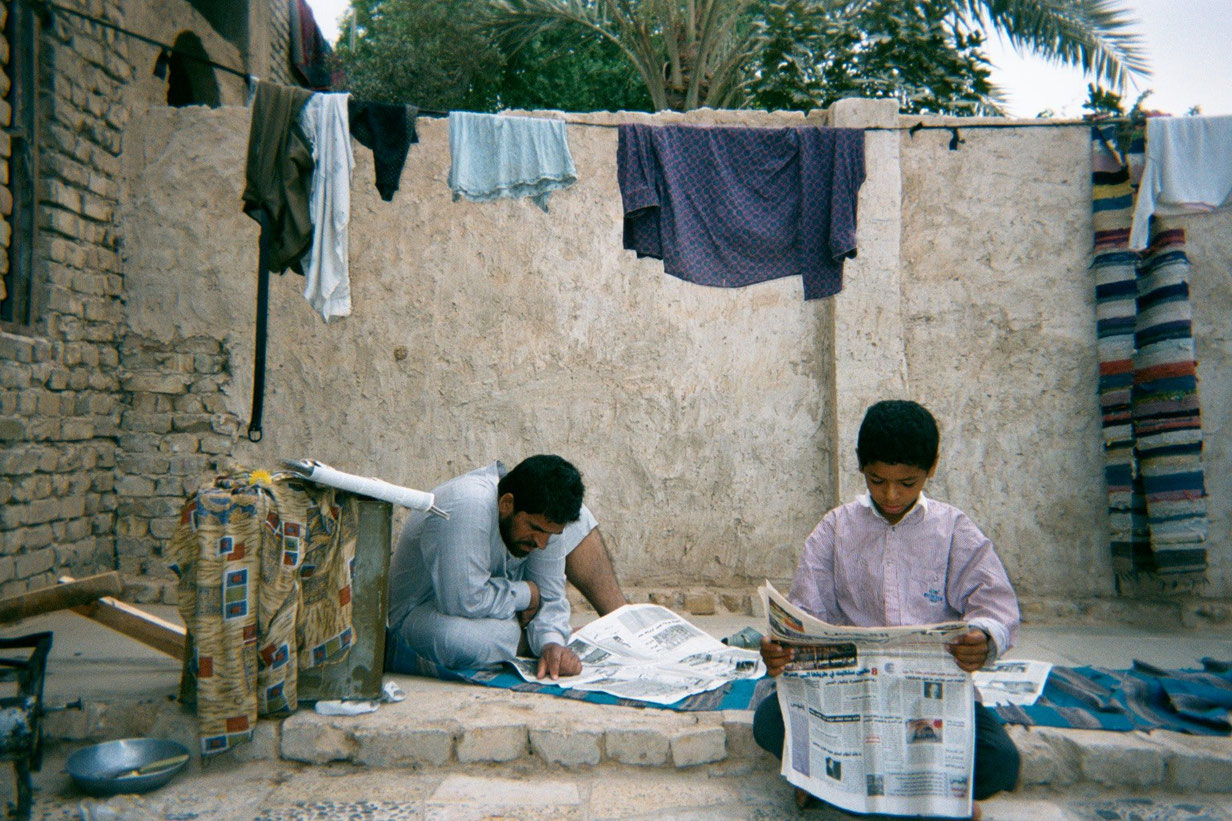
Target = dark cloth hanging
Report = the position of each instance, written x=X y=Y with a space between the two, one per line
x=732 y=206
x=389 y=131
x=276 y=192
x=279 y=172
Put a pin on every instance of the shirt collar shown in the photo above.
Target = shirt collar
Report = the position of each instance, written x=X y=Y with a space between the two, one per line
x=921 y=504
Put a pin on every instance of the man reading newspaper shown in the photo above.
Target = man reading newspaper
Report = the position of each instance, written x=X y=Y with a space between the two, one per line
x=897 y=558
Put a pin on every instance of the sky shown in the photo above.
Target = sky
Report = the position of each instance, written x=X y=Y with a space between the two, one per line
x=1188 y=44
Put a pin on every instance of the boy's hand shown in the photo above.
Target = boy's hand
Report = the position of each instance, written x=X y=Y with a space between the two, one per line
x=970 y=650
x=775 y=655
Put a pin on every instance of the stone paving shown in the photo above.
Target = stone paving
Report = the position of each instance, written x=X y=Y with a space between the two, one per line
x=459 y=751
x=286 y=791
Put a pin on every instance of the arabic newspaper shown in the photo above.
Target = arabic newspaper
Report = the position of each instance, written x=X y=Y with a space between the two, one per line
x=647 y=652
x=877 y=720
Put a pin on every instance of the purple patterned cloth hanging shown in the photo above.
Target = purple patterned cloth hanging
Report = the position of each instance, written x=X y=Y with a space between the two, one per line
x=733 y=206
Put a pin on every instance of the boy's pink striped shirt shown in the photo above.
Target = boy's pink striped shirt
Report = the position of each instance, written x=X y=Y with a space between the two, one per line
x=934 y=565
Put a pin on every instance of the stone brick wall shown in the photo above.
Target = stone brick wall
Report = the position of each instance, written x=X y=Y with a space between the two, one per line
x=714 y=427
x=102 y=430
x=174 y=433
x=59 y=384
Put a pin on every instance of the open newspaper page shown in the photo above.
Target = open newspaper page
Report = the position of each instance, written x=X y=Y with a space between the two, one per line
x=648 y=653
x=1014 y=681
x=877 y=720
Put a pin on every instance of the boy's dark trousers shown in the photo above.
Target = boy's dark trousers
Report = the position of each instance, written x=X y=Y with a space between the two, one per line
x=996 y=757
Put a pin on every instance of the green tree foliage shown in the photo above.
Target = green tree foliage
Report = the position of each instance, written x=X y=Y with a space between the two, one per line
x=687 y=53
x=582 y=55
x=570 y=71
x=912 y=51
x=925 y=53
x=439 y=55
x=427 y=52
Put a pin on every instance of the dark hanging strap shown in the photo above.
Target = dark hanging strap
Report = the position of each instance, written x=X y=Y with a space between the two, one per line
x=258 y=351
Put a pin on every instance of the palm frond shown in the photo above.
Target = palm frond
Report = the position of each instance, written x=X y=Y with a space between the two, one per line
x=1094 y=35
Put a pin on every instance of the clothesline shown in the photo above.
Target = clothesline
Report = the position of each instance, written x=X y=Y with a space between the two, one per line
x=920 y=126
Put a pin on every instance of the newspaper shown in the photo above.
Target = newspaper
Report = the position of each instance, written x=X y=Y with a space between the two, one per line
x=877 y=720
x=648 y=653
x=1012 y=681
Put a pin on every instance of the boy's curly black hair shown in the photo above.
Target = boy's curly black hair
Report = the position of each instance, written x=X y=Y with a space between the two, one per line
x=898 y=432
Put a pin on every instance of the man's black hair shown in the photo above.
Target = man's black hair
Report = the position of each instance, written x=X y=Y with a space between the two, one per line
x=898 y=432
x=545 y=485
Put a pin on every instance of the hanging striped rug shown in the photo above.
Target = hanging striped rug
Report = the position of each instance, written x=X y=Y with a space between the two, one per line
x=1152 y=422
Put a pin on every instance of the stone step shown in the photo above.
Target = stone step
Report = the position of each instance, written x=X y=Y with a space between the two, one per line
x=445 y=725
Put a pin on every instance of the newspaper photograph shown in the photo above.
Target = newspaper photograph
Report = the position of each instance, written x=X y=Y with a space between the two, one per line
x=648 y=653
x=1012 y=681
x=877 y=720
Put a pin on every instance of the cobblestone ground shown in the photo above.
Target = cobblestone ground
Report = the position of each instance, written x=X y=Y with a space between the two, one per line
x=280 y=791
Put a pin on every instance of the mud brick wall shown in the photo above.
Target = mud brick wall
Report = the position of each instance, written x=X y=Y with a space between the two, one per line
x=173 y=434
x=60 y=397
x=102 y=430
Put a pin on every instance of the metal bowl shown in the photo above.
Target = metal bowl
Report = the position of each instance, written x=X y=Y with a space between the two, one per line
x=128 y=765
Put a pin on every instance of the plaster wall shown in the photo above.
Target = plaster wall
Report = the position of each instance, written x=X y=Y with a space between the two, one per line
x=714 y=427
x=1000 y=343
x=999 y=340
x=699 y=416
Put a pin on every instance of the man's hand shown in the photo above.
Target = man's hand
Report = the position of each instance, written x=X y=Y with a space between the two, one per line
x=970 y=650
x=775 y=655
x=556 y=660
x=525 y=616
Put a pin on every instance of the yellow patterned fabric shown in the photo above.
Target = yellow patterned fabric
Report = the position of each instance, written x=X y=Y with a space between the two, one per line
x=265 y=565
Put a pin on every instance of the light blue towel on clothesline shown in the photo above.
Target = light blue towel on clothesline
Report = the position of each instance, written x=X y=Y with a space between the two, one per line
x=493 y=156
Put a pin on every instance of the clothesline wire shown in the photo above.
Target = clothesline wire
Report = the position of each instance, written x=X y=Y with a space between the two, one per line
x=919 y=126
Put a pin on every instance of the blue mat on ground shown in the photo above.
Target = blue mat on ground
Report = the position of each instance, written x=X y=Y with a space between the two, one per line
x=740 y=694
x=1144 y=697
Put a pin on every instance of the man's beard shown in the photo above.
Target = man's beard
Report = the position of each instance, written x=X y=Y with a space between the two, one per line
x=506 y=531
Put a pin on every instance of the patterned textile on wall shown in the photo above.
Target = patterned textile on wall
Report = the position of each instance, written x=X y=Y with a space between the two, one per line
x=265 y=565
x=1152 y=423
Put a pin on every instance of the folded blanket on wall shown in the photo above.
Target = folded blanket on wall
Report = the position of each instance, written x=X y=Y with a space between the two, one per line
x=740 y=694
x=1144 y=697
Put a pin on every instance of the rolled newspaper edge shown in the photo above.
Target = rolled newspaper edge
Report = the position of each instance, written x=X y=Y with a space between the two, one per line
x=323 y=474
